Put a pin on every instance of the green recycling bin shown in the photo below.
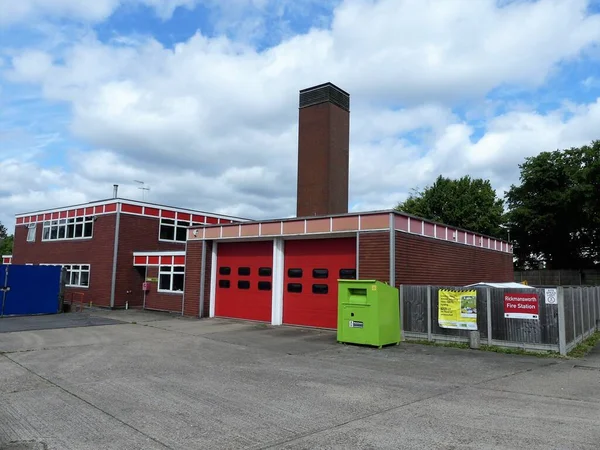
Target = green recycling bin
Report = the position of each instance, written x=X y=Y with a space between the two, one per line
x=368 y=313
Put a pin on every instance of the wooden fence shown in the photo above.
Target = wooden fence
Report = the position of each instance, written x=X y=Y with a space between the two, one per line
x=563 y=320
x=588 y=277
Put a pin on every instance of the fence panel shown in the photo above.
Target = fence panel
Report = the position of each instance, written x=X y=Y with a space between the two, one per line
x=588 y=310
x=448 y=334
x=541 y=331
x=569 y=315
x=414 y=313
x=578 y=313
x=597 y=303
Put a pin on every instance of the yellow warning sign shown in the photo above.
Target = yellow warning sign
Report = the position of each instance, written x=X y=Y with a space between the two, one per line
x=457 y=309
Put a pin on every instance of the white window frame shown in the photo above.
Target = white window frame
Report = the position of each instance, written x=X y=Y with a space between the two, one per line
x=58 y=229
x=170 y=270
x=31 y=229
x=81 y=268
x=177 y=224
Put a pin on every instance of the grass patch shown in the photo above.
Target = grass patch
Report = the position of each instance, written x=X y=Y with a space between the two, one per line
x=488 y=348
x=520 y=351
x=463 y=345
x=586 y=346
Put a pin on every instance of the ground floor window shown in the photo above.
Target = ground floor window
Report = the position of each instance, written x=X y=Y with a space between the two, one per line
x=170 y=278
x=78 y=275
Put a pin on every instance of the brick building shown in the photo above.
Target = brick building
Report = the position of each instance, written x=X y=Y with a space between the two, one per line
x=277 y=271
x=99 y=244
x=286 y=271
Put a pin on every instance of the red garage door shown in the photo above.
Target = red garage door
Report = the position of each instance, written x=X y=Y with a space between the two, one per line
x=244 y=280
x=312 y=268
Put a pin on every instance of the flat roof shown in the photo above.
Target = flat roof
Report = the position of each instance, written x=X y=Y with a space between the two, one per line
x=346 y=224
x=131 y=201
x=352 y=214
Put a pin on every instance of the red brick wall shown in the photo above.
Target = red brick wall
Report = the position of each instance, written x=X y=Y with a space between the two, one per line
x=207 y=271
x=374 y=256
x=422 y=260
x=161 y=301
x=136 y=233
x=193 y=276
x=193 y=264
x=97 y=252
x=323 y=159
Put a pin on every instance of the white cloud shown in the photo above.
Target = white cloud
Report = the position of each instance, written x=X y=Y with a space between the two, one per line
x=19 y=11
x=32 y=66
x=212 y=123
x=23 y=10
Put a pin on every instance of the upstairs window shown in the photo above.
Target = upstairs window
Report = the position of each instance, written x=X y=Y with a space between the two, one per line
x=31 y=232
x=173 y=230
x=73 y=228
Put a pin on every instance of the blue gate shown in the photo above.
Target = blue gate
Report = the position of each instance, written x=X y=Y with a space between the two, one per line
x=26 y=290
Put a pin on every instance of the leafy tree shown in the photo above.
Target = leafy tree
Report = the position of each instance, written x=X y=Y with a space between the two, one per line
x=465 y=203
x=6 y=245
x=6 y=241
x=554 y=214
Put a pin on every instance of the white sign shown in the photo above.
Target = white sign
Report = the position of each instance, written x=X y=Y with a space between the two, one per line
x=551 y=297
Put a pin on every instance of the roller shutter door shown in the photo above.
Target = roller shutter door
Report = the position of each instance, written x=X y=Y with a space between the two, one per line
x=244 y=280
x=312 y=268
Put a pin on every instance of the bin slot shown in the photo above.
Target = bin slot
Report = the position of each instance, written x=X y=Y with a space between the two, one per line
x=358 y=291
x=357 y=296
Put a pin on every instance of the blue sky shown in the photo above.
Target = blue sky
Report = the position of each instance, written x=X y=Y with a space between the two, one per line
x=199 y=98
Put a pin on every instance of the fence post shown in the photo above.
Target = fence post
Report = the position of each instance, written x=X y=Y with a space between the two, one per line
x=429 y=337
x=562 y=332
x=597 y=307
x=401 y=295
x=573 y=296
x=488 y=294
x=582 y=317
x=591 y=325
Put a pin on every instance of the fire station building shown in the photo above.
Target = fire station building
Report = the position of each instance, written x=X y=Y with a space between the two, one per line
x=111 y=247
x=282 y=271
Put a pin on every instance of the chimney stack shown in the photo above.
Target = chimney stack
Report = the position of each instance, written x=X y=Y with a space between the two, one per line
x=323 y=151
x=115 y=190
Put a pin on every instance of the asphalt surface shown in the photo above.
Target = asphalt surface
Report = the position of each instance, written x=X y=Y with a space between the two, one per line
x=165 y=382
x=54 y=321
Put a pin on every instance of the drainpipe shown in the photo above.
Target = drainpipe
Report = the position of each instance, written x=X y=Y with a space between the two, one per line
x=115 y=254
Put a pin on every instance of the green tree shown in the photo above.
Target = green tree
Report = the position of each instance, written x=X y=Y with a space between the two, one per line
x=6 y=241
x=465 y=203
x=554 y=214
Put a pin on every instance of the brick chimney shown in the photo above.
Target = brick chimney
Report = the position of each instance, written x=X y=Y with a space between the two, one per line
x=323 y=151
